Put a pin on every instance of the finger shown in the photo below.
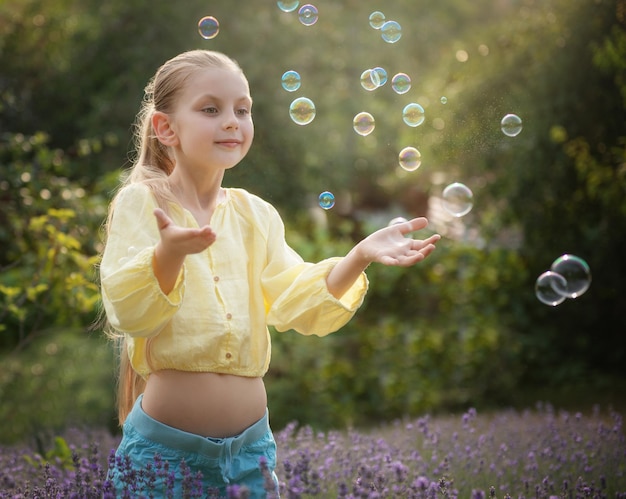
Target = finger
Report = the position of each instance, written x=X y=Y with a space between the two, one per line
x=422 y=243
x=413 y=225
x=162 y=219
x=427 y=250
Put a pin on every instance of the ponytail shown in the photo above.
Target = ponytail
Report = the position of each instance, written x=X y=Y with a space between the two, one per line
x=130 y=384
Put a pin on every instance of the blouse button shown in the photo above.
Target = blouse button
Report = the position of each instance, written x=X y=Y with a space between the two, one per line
x=229 y=316
x=228 y=355
x=216 y=278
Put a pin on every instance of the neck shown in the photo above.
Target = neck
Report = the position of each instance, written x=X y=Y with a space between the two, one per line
x=195 y=193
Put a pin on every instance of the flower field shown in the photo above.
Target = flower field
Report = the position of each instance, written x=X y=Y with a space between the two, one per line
x=538 y=453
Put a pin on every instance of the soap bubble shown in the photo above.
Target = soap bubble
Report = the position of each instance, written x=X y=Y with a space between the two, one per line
x=288 y=6
x=444 y=99
x=391 y=31
x=208 y=27
x=382 y=75
x=291 y=81
x=413 y=114
x=576 y=273
x=410 y=159
x=302 y=111
x=458 y=199
x=396 y=221
x=401 y=83
x=546 y=288
x=511 y=125
x=377 y=19
x=308 y=14
x=327 y=200
x=363 y=123
x=370 y=79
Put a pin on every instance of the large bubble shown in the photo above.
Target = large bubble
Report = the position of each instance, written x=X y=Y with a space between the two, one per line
x=546 y=288
x=410 y=159
x=302 y=111
x=382 y=75
x=363 y=123
x=576 y=273
x=308 y=14
x=401 y=83
x=326 y=200
x=291 y=81
x=458 y=199
x=391 y=31
x=370 y=80
x=377 y=19
x=413 y=114
x=511 y=125
x=208 y=27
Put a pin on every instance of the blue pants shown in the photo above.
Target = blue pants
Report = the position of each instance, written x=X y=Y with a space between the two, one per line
x=156 y=458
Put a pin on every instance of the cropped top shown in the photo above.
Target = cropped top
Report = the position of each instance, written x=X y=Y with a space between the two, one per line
x=216 y=318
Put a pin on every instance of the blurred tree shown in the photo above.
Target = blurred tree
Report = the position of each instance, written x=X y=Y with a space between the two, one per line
x=561 y=182
x=72 y=78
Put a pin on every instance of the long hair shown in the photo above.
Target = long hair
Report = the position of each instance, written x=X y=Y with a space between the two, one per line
x=152 y=165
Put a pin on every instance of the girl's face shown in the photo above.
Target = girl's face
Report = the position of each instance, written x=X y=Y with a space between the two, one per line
x=212 y=121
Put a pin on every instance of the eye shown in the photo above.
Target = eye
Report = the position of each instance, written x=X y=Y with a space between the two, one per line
x=210 y=110
x=243 y=111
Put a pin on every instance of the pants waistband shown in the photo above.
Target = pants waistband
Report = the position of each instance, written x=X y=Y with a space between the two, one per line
x=174 y=438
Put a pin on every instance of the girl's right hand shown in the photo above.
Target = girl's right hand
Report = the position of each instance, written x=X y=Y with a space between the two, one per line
x=180 y=241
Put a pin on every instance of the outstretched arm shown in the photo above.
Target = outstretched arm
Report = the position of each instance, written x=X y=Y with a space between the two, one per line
x=388 y=246
x=175 y=244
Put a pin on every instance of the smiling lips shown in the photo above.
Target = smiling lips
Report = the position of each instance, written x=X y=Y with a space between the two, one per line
x=229 y=142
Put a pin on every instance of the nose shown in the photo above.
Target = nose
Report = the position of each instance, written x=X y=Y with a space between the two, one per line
x=230 y=121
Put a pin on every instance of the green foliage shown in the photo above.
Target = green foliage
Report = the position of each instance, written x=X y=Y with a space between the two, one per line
x=49 y=252
x=462 y=328
x=64 y=377
x=436 y=337
x=60 y=455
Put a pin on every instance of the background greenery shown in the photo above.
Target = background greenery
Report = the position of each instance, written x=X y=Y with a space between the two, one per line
x=462 y=329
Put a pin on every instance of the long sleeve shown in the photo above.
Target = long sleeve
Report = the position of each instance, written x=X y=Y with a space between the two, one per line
x=296 y=293
x=131 y=295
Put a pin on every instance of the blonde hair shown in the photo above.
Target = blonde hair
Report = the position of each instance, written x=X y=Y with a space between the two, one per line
x=152 y=166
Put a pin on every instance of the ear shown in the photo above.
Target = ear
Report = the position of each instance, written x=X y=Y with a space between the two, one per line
x=162 y=126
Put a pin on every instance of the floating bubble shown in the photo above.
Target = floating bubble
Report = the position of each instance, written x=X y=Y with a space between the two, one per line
x=370 y=79
x=511 y=125
x=396 y=221
x=364 y=123
x=291 y=81
x=327 y=200
x=308 y=14
x=410 y=159
x=302 y=111
x=413 y=114
x=391 y=31
x=401 y=83
x=576 y=273
x=546 y=288
x=288 y=6
x=458 y=199
x=382 y=75
x=208 y=27
x=377 y=19
x=444 y=99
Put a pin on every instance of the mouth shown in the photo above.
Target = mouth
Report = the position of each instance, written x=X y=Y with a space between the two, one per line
x=228 y=142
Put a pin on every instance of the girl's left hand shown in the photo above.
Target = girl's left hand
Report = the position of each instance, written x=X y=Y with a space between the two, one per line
x=390 y=246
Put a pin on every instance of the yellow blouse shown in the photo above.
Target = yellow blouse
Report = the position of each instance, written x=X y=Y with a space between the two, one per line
x=216 y=317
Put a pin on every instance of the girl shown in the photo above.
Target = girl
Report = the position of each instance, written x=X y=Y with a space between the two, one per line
x=193 y=273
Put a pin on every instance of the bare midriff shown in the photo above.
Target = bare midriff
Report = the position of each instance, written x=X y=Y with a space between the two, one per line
x=207 y=404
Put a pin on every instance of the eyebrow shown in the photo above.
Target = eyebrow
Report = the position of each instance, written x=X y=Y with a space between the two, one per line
x=212 y=97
